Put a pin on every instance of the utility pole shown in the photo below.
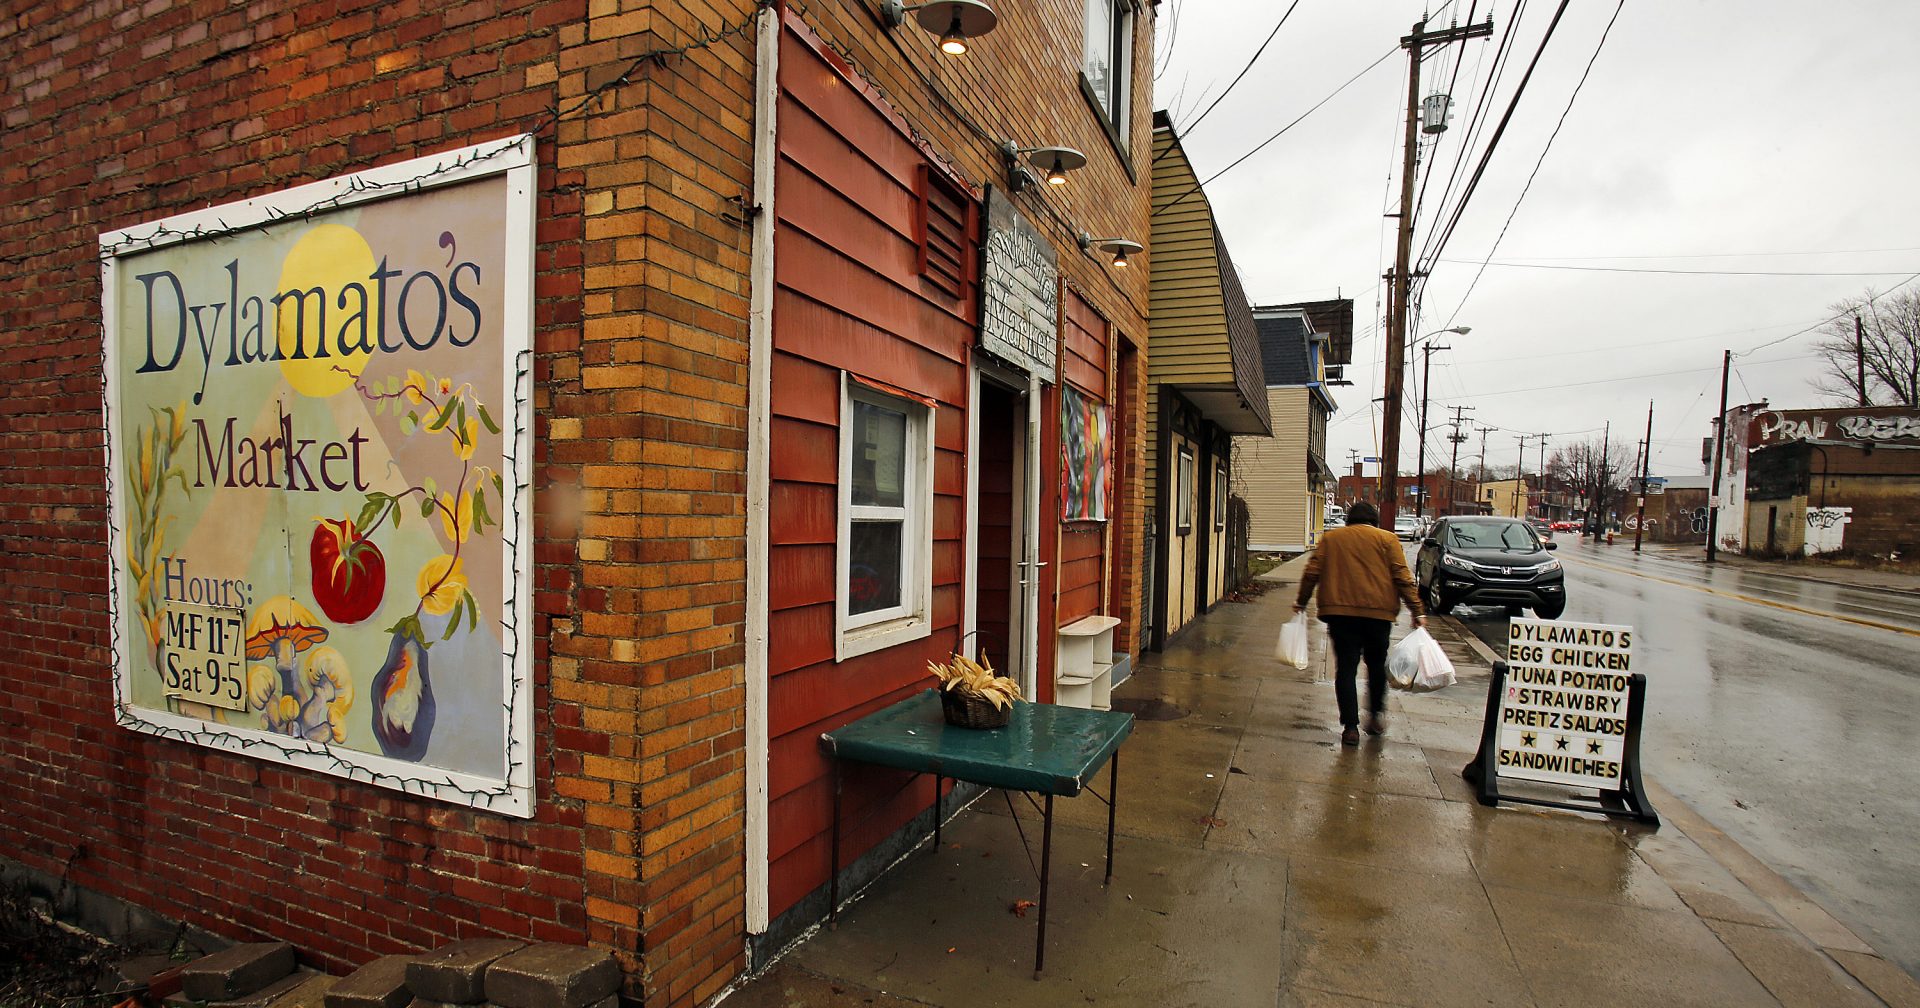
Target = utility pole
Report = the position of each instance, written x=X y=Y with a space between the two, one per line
x=1420 y=477
x=1860 y=357
x=1646 y=468
x=1520 y=477
x=1453 y=467
x=1480 y=483
x=1719 y=451
x=1597 y=502
x=1544 y=496
x=1402 y=278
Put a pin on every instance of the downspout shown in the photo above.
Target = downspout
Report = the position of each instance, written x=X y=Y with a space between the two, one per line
x=759 y=412
x=1038 y=499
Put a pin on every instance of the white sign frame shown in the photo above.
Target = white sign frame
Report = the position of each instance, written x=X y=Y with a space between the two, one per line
x=512 y=793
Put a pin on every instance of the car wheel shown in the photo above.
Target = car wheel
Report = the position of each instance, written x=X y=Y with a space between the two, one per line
x=1437 y=605
x=1550 y=610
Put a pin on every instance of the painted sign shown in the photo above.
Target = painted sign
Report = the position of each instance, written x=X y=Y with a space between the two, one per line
x=317 y=446
x=1019 y=290
x=1563 y=713
x=1827 y=529
x=1086 y=456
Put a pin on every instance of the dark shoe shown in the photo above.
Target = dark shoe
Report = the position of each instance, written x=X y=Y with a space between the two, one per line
x=1376 y=725
x=1350 y=737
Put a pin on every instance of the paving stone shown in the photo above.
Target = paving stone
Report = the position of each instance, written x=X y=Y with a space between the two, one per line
x=381 y=983
x=552 y=976
x=456 y=973
x=240 y=969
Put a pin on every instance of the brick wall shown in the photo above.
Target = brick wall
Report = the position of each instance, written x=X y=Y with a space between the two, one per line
x=117 y=114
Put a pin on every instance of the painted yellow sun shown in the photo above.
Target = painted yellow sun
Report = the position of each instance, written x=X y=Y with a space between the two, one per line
x=326 y=319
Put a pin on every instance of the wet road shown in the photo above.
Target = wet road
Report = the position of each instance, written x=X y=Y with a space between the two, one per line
x=1781 y=710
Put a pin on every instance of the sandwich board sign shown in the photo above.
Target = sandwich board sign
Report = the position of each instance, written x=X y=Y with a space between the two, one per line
x=1565 y=709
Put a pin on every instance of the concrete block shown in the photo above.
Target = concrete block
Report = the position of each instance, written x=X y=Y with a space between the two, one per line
x=311 y=993
x=456 y=973
x=232 y=972
x=270 y=995
x=552 y=976
x=381 y=983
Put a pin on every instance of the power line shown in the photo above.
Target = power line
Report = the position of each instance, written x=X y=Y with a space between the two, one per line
x=1551 y=137
x=1679 y=272
x=1336 y=91
x=1493 y=143
x=1710 y=255
x=1243 y=72
x=1823 y=322
x=1502 y=54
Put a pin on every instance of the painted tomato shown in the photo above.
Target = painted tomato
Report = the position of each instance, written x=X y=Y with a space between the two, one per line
x=349 y=571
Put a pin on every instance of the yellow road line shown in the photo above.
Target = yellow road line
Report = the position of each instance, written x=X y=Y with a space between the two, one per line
x=1872 y=624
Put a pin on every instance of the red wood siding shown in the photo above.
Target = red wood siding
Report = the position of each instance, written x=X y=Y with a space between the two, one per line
x=1081 y=562
x=850 y=294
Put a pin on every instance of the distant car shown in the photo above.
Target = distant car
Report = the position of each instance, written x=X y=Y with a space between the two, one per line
x=1335 y=521
x=1566 y=526
x=1407 y=527
x=1542 y=526
x=1482 y=560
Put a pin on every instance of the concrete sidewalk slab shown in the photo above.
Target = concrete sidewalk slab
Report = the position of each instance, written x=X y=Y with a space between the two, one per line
x=1259 y=862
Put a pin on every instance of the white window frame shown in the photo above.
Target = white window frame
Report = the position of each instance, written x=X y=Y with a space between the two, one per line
x=1119 y=48
x=912 y=619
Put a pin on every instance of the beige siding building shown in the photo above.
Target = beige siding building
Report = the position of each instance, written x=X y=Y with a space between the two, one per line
x=1284 y=478
x=1203 y=387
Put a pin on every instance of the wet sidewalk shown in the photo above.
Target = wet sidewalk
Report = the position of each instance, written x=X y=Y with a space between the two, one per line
x=1260 y=863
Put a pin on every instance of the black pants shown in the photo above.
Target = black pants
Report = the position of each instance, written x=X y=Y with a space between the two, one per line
x=1354 y=637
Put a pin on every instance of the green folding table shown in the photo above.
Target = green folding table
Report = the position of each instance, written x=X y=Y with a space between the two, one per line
x=1045 y=749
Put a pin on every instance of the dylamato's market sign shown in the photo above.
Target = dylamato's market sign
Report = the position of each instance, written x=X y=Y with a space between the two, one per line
x=317 y=434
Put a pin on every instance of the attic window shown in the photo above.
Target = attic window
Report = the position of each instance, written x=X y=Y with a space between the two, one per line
x=946 y=224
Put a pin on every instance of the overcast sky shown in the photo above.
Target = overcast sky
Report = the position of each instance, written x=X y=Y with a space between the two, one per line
x=1754 y=136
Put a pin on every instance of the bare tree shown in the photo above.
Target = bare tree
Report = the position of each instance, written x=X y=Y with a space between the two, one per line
x=1600 y=477
x=1884 y=350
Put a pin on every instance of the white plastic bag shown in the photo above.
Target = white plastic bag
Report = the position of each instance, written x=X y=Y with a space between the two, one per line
x=1418 y=665
x=1292 y=647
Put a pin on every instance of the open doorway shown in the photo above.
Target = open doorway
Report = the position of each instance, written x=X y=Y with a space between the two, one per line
x=1000 y=506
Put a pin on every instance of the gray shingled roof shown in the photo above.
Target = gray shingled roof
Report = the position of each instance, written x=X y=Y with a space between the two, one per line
x=1283 y=349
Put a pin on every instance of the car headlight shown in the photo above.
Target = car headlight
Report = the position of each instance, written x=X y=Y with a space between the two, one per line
x=1457 y=563
x=1551 y=565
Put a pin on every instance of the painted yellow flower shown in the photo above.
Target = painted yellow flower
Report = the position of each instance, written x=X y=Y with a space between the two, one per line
x=456 y=516
x=415 y=387
x=441 y=585
x=465 y=437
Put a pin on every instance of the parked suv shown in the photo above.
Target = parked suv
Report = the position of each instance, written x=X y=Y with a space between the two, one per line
x=1489 y=561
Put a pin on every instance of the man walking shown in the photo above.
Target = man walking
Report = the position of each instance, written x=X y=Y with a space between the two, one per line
x=1363 y=578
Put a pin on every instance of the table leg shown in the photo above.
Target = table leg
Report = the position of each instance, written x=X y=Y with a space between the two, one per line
x=938 y=782
x=1113 y=801
x=833 y=876
x=1046 y=862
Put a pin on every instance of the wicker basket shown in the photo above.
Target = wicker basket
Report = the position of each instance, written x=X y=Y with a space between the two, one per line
x=964 y=709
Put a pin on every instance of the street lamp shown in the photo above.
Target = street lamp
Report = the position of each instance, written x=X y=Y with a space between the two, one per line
x=1426 y=377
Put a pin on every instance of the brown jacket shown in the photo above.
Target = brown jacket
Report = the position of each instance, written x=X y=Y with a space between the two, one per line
x=1361 y=571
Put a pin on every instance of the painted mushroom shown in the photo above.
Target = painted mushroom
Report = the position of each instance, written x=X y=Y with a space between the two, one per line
x=289 y=702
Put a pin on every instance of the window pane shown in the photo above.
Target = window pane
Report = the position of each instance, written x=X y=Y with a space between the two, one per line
x=873 y=566
x=879 y=455
x=1098 y=62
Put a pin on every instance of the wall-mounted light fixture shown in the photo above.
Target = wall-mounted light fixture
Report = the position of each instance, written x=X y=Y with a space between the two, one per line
x=1120 y=248
x=955 y=21
x=1053 y=163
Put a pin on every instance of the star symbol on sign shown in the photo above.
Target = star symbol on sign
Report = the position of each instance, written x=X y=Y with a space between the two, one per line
x=1593 y=745
x=1528 y=739
x=1561 y=742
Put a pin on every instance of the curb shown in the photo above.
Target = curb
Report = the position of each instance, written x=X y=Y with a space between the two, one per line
x=1766 y=568
x=1799 y=911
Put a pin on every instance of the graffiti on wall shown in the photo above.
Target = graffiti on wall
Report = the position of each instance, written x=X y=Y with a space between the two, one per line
x=1827 y=528
x=313 y=428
